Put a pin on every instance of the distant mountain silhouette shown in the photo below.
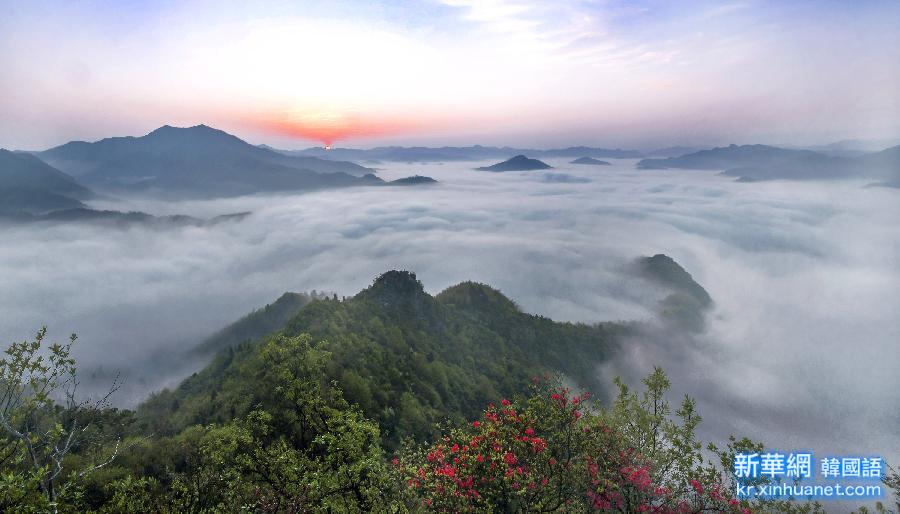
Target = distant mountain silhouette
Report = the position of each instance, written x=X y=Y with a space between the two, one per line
x=457 y=153
x=117 y=218
x=672 y=151
x=30 y=185
x=762 y=162
x=854 y=147
x=412 y=181
x=883 y=166
x=575 y=151
x=198 y=161
x=887 y=161
x=517 y=163
x=590 y=161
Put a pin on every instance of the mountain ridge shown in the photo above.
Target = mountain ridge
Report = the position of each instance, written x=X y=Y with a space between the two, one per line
x=409 y=359
x=197 y=161
x=764 y=162
x=32 y=186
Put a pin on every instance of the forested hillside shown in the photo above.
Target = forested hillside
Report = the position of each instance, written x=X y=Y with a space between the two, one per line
x=393 y=400
x=406 y=358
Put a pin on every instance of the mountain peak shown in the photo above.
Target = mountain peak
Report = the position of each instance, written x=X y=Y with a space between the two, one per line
x=400 y=281
x=517 y=163
x=477 y=297
x=664 y=270
x=397 y=288
x=169 y=130
x=590 y=161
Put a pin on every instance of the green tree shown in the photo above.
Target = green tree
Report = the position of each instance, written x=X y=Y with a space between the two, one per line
x=42 y=420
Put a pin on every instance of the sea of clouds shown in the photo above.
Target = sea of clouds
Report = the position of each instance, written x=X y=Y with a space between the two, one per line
x=800 y=351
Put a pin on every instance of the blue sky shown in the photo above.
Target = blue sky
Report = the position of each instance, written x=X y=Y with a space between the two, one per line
x=618 y=73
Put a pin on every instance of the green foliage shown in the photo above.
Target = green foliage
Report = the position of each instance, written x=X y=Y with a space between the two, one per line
x=300 y=448
x=407 y=359
x=296 y=423
x=551 y=453
x=258 y=323
x=38 y=437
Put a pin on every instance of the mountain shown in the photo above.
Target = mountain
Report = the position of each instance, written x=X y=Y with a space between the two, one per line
x=574 y=151
x=590 y=161
x=456 y=153
x=29 y=185
x=413 y=181
x=761 y=162
x=854 y=147
x=197 y=161
x=407 y=358
x=257 y=324
x=117 y=218
x=517 y=163
x=883 y=165
x=672 y=151
x=686 y=302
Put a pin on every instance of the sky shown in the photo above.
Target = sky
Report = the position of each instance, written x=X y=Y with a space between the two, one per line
x=639 y=73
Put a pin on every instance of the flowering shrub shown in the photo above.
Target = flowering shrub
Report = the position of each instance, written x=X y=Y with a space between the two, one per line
x=548 y=452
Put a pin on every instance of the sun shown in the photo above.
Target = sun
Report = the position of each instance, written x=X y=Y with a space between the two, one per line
x=328 y=126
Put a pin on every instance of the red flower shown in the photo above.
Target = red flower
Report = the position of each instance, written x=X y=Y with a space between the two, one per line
x=510 y=459
x=504 y=401
x=476 y=424
x=446 y=470
x=697 y=486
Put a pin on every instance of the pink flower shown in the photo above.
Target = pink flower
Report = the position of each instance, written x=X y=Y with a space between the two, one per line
x=504 y=402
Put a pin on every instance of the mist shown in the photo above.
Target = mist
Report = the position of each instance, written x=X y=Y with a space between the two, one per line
x=799 y=352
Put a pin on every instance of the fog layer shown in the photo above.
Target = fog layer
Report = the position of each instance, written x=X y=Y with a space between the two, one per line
x=800 y=351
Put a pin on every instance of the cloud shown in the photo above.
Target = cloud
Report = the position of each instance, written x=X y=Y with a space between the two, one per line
x=495 y=72
x=800 y=349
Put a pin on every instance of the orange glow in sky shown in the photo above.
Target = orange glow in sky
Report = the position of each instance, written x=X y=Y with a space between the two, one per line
x=330 y=127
